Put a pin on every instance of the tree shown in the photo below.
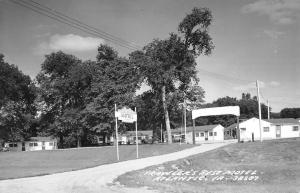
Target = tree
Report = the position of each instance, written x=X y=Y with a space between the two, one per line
x=114 y=82
x=62 y=82
x=17 y=108
x=290 y=113
x=162 y=63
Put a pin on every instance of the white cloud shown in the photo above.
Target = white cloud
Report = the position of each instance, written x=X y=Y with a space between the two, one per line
x=252 y=85
x=279 y=11
x=274 y=83
x=69 y=42
x=273 y=34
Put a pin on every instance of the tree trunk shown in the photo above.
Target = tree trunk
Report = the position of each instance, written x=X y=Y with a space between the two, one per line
x=61 y=141
x=78 y=139
x=166 y=113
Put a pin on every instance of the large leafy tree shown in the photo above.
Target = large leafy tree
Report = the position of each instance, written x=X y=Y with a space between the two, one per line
x=78 y=97
x=290 y=113
x=17 y=107
x=150 y=109
x=163 y=63
x=114 y=81
x=63 y=82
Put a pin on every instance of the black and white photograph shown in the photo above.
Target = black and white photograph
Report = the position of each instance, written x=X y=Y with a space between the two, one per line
x=151 y=96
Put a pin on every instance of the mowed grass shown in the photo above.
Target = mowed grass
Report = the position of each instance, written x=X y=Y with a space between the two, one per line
x=277 y=163
x=34 y=163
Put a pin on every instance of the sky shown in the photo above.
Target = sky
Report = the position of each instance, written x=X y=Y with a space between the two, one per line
x=253 y=39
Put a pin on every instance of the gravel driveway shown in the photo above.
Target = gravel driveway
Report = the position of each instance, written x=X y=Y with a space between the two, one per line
x=97 y=179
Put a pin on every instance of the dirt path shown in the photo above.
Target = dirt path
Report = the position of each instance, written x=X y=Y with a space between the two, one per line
x=95 y=179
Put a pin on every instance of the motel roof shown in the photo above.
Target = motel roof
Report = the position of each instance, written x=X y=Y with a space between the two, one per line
x=284 y=121
x=197 y=128
x=42 y=139
x=140 y=132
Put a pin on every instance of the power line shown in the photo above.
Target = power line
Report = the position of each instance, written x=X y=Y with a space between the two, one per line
x=261 y=94
x=46 y=11
x=91 y=27
x=224 y=77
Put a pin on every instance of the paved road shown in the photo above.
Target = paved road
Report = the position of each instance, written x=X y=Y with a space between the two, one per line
x=97 y=179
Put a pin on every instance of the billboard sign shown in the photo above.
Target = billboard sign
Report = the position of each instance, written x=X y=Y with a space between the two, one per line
x=228 y=110
x=126 y=115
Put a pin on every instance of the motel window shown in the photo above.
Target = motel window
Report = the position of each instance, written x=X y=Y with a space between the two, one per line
x=228 y=132
x=215 y=133
x=13 y=145
x=266 y=129
x=202 y=134
x=244 y=129
x=50 y=143
x=197 y=134
x=295 y=128
x=33 y=144
x=210 y=133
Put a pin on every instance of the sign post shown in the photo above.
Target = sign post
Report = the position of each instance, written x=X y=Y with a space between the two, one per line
x=136 y=137
x=128 y=116
x=117 y=144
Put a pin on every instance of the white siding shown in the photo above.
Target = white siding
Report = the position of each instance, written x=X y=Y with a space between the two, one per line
x=33 y=148
x=219 y=130
x=49 y=145
x=287 y=131
x=220 y=133
x=251 y=126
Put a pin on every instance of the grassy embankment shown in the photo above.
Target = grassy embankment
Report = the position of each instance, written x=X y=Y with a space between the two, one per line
x=270 y=166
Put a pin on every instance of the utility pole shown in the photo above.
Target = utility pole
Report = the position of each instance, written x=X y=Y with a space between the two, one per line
x=117 y=144
x=268 y=109
x=136 y=138
x=259 y=110
x=184 y=120
x=194 y=125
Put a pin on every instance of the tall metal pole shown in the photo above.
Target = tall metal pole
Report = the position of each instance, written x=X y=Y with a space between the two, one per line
x=184 y=120
x=194 y=139
x=238 y=133
x=117 y=144
x=268 y=109
x=259 y=110
x=136 y=137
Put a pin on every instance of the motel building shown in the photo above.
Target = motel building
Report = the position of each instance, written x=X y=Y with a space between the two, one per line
x=34 y=144
x=203 y=134
x=270 y=129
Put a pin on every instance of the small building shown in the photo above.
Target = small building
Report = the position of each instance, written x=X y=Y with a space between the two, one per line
x=145 y=136
x=230 y=132
x=203 y=134
x=270 y=129
x=285 y=128
x=128 y=137
x=34 y=144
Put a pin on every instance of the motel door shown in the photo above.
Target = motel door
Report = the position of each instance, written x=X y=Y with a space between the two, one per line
x=278 y=131
x=206 y=135
x=23 y=146
x=43 y=145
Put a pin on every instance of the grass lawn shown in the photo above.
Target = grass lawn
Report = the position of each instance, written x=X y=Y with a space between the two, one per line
x=25 y=164
x=270 y=166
